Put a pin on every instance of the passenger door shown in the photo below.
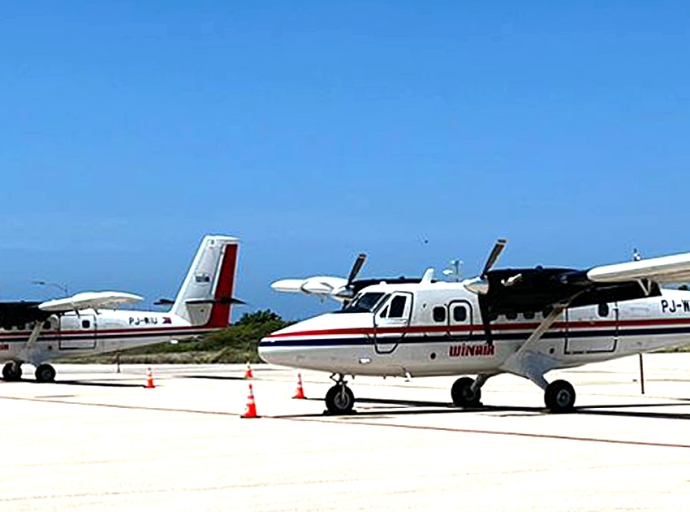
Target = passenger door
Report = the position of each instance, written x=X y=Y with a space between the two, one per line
x=459 y=320
x=78 y=332
x=594 y=330
x=391 y=322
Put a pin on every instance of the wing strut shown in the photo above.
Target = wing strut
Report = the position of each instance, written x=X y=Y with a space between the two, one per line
x=25 y=354
x=528 y=362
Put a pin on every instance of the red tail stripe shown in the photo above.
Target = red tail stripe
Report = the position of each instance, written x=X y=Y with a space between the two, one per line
x=220 y=312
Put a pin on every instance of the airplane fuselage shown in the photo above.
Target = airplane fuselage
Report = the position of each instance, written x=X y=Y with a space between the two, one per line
x=436 y=329
x=92 y=332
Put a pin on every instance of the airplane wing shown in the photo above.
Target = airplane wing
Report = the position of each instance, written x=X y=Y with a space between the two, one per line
x=337 y=288
x=89 y=300
x=535 y=289
x=665 y=270
x=317 y=285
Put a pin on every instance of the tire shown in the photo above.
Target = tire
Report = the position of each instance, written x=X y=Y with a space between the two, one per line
x=340 y=400
x=45 y=373
x=559 y=396
x=463 y=395
x=12 y=371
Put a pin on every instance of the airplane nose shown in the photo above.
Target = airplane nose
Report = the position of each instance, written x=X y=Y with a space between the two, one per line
x=271 y=351
x=264 y=350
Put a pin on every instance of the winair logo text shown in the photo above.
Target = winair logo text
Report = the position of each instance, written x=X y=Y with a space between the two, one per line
x=465 y=350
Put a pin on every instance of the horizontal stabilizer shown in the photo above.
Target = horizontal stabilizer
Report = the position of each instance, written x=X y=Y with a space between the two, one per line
x=664 y=270
x=221 y=300
x=89 y=300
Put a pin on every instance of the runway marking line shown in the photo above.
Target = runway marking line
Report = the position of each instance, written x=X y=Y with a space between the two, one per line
x=498 y=433
x=368 y=423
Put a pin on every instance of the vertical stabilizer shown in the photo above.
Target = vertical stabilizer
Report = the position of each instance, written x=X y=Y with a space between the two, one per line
x=206 y=294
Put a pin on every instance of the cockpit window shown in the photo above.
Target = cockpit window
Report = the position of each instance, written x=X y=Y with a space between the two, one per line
x=365 y=303
x=397 y=307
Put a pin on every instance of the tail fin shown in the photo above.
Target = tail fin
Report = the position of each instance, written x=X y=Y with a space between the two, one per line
x=206 y=294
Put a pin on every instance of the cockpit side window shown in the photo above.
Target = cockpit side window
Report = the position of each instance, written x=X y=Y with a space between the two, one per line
x=397 y=307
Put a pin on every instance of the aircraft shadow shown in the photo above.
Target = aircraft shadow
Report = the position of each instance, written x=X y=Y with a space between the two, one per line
x=610 y=410
x=95 y=384
x=392 y=408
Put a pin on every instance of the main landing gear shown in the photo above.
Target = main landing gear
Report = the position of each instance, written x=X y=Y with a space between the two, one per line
x=45 y=373
x=340 y=399
x=12 y=372
x=559 y=396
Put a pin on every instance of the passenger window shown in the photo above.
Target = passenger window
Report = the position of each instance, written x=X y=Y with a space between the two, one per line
x=460 y=313
x=529 y=315
x=85 y=324
x=439 y=314
x=511 y=315
x=603 y=310
x=397 y=307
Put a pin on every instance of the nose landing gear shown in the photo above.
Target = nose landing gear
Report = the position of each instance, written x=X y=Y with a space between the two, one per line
x=340 y=399
x=467 y=392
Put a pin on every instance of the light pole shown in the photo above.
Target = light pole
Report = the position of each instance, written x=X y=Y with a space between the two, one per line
x=62 y=287
x=454 y=270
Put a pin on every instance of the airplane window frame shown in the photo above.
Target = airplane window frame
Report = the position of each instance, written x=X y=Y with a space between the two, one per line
x=439 y=319
x=603 y=310
x=465 y=316
x=392 y=304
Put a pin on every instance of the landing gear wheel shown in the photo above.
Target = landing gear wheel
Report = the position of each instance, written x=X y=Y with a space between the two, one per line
x=12 y=371
x=45 y=373
x=340 y=400
x=463 y=394
x=559 y=396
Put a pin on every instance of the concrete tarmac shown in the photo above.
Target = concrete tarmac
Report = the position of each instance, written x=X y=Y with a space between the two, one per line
x=97 y=440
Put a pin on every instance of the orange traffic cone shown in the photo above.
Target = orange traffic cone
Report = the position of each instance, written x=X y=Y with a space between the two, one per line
x=249 y=374
x=299 y=394
x=251 y=405
x=149 y=380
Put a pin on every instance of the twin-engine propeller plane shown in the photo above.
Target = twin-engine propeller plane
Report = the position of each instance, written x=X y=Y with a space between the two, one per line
x=89 y=323
x=522 y=321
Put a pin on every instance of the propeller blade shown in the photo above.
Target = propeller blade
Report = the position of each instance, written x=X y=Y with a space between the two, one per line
x=495 y=253
x=359 y=263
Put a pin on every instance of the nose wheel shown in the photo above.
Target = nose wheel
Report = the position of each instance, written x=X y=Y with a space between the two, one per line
x=466 y=393
x=340 y=399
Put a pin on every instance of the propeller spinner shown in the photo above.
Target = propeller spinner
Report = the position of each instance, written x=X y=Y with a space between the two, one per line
x=480 y=284
x=347 y=291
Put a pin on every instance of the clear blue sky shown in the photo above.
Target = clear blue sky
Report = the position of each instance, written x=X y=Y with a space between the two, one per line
x=315 y=130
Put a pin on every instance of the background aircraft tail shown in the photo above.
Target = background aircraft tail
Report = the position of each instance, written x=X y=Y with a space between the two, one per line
x=206 y=294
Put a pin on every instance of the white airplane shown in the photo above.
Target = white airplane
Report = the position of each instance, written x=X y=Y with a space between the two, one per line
x=522 y=321
x=89 y=323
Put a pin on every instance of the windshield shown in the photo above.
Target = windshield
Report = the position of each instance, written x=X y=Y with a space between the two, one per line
x=364 y=303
